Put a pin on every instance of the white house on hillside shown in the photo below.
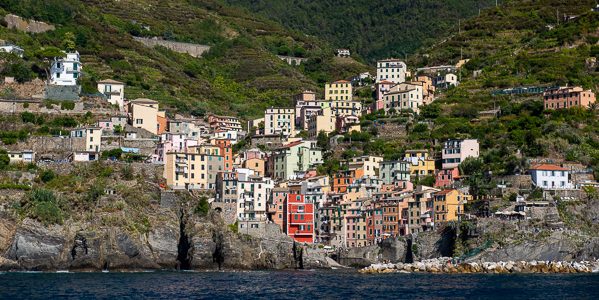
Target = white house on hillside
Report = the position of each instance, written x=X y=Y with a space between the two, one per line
x=12 y=49
x=393 y=70
x=547 y=176
x=114 y=91
x=66 y=70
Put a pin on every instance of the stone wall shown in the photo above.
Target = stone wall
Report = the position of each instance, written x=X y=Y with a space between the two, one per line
x=30 y=26
x=27 y=90
x=228 y=211
x=58 y=92
x=195 y=50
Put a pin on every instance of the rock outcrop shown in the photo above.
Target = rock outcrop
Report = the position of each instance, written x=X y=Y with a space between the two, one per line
x=198 y=244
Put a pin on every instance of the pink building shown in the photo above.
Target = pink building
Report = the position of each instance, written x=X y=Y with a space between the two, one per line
x=446 y=177
x=382 y=88
x=566 y=97
x=456 y=151
x=171 y=142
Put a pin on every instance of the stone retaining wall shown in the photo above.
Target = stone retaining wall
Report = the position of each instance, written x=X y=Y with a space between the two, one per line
x=195 y=50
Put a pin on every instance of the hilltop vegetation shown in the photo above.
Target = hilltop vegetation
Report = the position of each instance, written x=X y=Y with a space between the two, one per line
x=512 y=46
x=374 y=29
x=240 y=75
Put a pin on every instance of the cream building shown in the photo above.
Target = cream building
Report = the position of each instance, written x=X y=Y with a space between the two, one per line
x=279 y=121
x=114 y=92
x=144 y=114
x=338 y=90
x=324 y=121
x=195 y=168
x=346 y=108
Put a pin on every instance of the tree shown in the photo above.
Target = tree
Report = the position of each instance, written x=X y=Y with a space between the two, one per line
x=4 y=159
x=68 y=42
x=47 y=55
x=203 y=206
x=322 y=140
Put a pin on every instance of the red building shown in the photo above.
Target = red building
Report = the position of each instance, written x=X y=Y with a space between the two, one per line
x=299 y=221
x=277 y=208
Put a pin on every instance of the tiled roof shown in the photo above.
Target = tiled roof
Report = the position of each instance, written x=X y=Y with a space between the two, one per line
x=548 y=167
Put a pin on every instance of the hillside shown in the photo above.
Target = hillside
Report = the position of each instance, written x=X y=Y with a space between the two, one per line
x=512 y=46
x=240 y=71
x=374 y=29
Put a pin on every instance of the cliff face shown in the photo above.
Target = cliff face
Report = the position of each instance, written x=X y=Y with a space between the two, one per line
x=195 y=244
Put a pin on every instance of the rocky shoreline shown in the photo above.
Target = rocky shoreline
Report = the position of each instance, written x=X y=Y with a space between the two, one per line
x=447 y=266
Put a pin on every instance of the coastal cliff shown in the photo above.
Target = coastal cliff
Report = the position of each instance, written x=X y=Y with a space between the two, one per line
x=29 y=245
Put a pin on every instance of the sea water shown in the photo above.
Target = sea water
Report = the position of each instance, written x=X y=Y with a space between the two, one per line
x=339 y=284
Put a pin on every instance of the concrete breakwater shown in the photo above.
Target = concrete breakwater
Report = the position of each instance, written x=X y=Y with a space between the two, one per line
x=446 y=265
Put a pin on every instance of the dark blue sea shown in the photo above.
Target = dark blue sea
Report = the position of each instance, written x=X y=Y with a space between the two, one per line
x=294 y=285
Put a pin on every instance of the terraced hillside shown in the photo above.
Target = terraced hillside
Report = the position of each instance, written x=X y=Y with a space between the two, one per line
x=240 y=75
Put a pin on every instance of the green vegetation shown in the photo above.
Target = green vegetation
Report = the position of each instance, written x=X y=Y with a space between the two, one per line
x=374 y=29
x=43 y=205
x=203 y=207
x=240 y=71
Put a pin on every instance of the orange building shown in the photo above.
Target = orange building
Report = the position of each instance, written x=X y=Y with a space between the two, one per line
x=226 y=151
x=567 y=97
x=277 y=208
x=299 y=220
x=343 y=179
x=162 y=124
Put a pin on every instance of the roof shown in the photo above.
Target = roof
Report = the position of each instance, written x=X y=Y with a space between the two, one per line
x=144 y=101
x=110 y=81
x=292 y=144
x=548 y=167
x=341 y=81
x=386 y=82
x=416 y=151
x=443 y=192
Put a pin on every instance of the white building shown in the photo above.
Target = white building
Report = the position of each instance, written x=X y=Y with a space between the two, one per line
x=393 y=70
x=343 y=52
x=456 y=151
x=445 y=81
x=23 y=156
x=279 y=121
x=114 y=92
x=12 y=49
x=66 y=70
x=403 y=100
x=547 y=176
x=253 y=195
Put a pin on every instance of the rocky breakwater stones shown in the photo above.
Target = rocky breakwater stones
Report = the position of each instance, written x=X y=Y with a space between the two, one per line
x=447 y=265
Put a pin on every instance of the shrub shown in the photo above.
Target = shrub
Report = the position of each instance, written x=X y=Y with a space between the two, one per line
x=4 y=159
x=202 y=207
x=127 y=172
x=44 y=207
x=28 y=117
x=47 y=176
x=67 y=105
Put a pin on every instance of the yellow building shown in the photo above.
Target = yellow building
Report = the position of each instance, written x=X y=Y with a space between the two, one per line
x=324 y=121
x=194 y=169
x=338 y=90
x=448 y=205
x=420 y=163
x=144 y=114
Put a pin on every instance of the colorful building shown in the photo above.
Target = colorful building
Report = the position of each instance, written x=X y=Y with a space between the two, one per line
x=420 y=163
x=279 y=121
x=456 y=151
x=393 y=70
x=567 y=97
x=299 y=219
x=448 y=205
x=338 y=90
